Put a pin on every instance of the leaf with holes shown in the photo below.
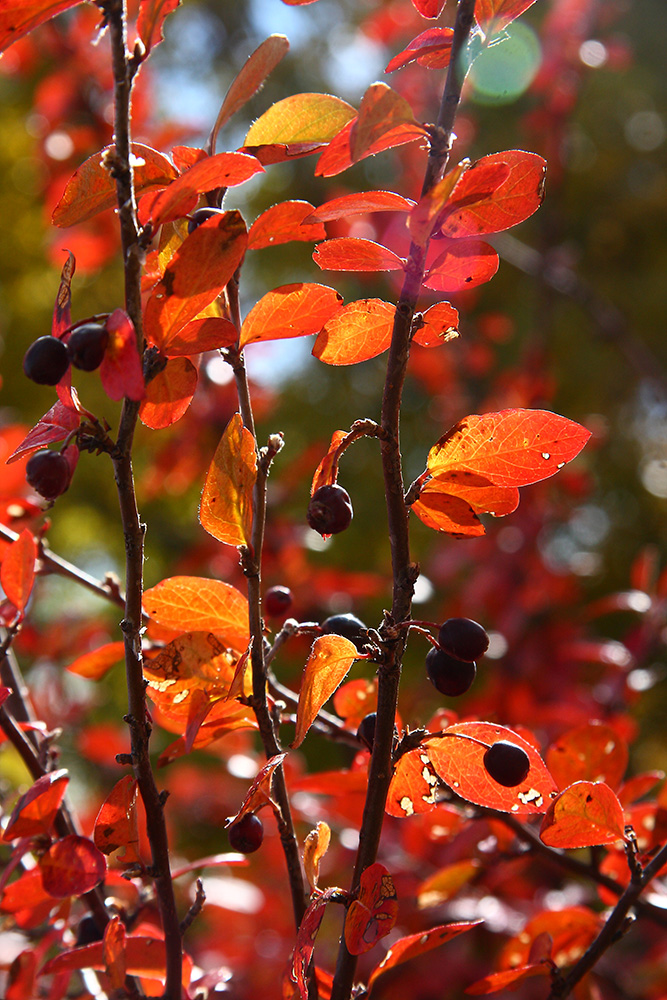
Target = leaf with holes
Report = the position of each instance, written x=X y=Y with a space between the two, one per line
x=357 y=332
x=414 y=785
x=225 y=510
x=441 y=323
x=36 y=810
x=283 y=223
x=349 y=253
x=300 y=118
x=586 y=814
x=373 y=913
x=72 y=866
x=295 y=310
x=592 y=752
x=418 y=944
x=193 y=603
x=17 y=572
x=330 y=659
x=116 y=822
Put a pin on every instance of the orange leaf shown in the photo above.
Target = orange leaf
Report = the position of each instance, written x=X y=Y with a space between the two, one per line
x=432 y=48
x=584 y=815
x=360 y=203
x=290 y=311
x=209 y=333
x=144 y=956
x=373 y=914
x=21 y=16
x=440 y=325
x=226 y=509
x=251 y=76
x=95 y=664
x=450 y=514
x=570 y=931
x=423 y=216
x=494 y=15
x=327 y=471
x=72 y=866
x=283 y=223
x=508 y=978
x=592 y=752
x=463 y=264
x=113 y=946
x=169 y=394
x=418 y=944
x=338 y=157
x=314 y=849
x=413 y=786
x=193 y=603
x=116 y=823
x=222 y=717
x=17 y=573
x=195 y=275
x=349 y=253
x=380 y=111
x=121 y=372
x=331 y=656
x=300 y=118
x=357 y=332
x=259 y=792
x=35 y=811
x=446 y=882
x=460 y=763
x=450 y=502
x=92 y=189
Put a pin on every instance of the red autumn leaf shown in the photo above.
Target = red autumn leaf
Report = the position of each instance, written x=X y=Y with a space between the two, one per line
x=35 y=811
x=62 y=311
x=21 y=975
x=283 y=223
x=450 y=502
x=373 y=913
x=18 y=17
x=54 y=426
x=17 y=573
x=305 y=943
x=94 y=665
x=381 y=110
x=169 y=394
x=251 y=76
x=639 y=785
x=279 y=152
x=584 y=815
x=441 y=511
x=185 y=157
x=348 y=253
x=92 y=189
x=26 y=893
x=460 y=763
x=508 y=978
x=330 y=658
x=462 y=264
x=354 y=700
x=144 y=956
x=570 y=930
x=446 y=882
x=151 y=17
x=116 y=823
x=413 y=786
x=327 y=471
x=494 y=15
x=360 y=203
x=226 y=510
x=441 y=323
x=290 y=311
x=120 y=371
x=300 y=118
x=338 y=157
x=423 y=217
x=201 y=335
x=592 y=752
x=418 y=944
x=196 y=604
x=429 y=8
x=223 y=717
x=431 y=48
x=113 y=949
x=71 y=867
x=181 y=196
x=480 y=205
x=195 y=275
x=259 y=792
x=357 y=332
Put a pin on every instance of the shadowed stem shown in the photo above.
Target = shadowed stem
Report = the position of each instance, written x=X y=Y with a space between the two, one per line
x=404 y=571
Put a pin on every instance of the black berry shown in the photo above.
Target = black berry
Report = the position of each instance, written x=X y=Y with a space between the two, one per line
x=247 y=834
x=366 y=730
x=49 y=473
x=86 y=346
x=46 y=361
x=463 y=638
x=87 y=932
x=277 y=601
x=450 y=676
x=507 y=763
x=201 y=215
x=330 y=510
x=349 y=626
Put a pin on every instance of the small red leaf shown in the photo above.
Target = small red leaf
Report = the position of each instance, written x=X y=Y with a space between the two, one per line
x=54 y=426
x=348 y=253
x=373 y=914
x=151 y=17
x=116 y=823
x=413 y=786
x=283 y=223
x=94 y=665
x=201 y=335
x=17 y=573
x=592 y=752
x=494 y=15
x=290 y=311
x=356 y=332
x=429 y=8
x=508 y=978
x=463 y=264
x=169 y=394
x=360 y=203
x=259 y=792
x=338 y=157
x=584 y=815
x=114 y=945
x=418 y=944
x=381 y=110
x=120 y=371
x=37 y=808
x=71 y=867
x=330 y=659
x=432 y=48
x=251 y=76
x=440 y=325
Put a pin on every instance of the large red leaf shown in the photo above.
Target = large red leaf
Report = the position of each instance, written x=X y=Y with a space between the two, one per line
x=357 y=332
x=283 y=223
x=373 y=913
x=195 y=275
x=461 y=265
x=151 y=17
x=381 y=110
x=586 y=814
x=116 y=823
x=17 y=573
x=330 y=659
x=290 y=311
x=359 y=203
x=300 y=118
x=196 y=604
x=494 y=15
x=460 y=763
x=417 y=944
x=592 y=752
x=348 y=253
x=431 y=48
x=18 y=17
x=91 y=188
x=72 y=866
x=251 y=76
x=35 y=811
x=225 y=510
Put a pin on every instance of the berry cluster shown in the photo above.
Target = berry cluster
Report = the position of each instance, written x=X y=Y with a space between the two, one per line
x=48 y=358
x=450 y=665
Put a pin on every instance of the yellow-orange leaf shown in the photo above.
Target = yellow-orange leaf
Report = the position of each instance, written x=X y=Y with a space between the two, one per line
x=314 y=849
x=300 y=118
x=357 y=332
x=290 y=311
x=331 y=657
x=446 y=882
x=225 y=510
x=95 y=664
x=196 y=604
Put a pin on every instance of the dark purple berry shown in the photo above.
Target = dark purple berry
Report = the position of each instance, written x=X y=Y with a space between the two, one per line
x=46 y=361
x=507 y=763
x=201 y=215
x=349 y=626
x=86 y=346
x=277 y=601
x=450 y=676
x=366 y=730
x=247 y=834
x=330 y=510
x=87 y=932
x=463 y=638
x=49 y=473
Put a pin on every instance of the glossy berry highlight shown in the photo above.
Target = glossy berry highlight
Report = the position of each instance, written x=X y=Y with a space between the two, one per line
x=247 y=834
x=463 y=638
x=46 y=361
x=349 y=626
x=277 y=601
x=86 y=346
x=330 y=510
x=49 y=473
x=507 y=763
x=450 y=676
